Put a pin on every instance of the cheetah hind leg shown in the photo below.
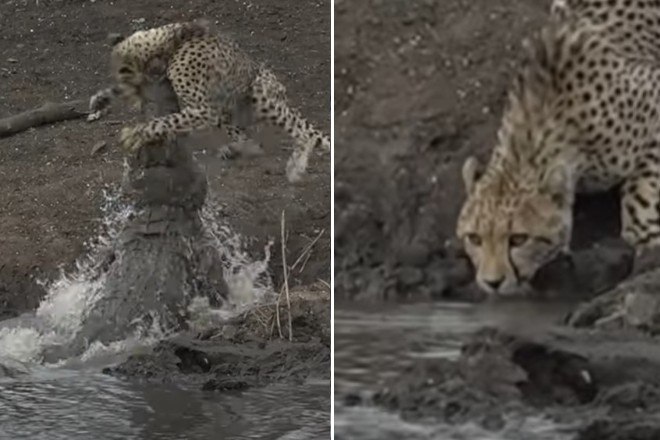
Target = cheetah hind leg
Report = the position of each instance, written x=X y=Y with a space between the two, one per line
x=304 y=135
x=640 y=211
x=305 y=142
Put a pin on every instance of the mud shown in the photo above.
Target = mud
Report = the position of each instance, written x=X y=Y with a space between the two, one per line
x=53 y=184
x=244 y=354
x=600 y=385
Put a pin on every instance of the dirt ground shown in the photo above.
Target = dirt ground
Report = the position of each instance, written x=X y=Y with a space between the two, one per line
x=56 y=50
x=419 y=86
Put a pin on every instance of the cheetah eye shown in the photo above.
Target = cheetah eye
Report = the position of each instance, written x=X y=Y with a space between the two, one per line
x=517 y=240
x=474 y=239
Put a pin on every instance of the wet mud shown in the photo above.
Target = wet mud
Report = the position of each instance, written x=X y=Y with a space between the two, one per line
x=246 y=352
x=596 y=385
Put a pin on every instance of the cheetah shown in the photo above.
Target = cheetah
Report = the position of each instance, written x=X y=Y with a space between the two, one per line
x=581 y=116
x=215 y=82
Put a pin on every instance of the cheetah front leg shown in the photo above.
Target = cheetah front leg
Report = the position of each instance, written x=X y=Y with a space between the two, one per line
x=196 y=111
x=187 y=120
x=640 y=210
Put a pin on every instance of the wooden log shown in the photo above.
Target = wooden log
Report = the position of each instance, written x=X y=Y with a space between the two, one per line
x=46 y=114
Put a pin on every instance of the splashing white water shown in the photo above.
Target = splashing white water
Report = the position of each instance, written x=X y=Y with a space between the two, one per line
x=70 y=297
x=248 y=279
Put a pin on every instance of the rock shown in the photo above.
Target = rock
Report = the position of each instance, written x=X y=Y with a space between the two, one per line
x=611 y=429
x=409 y=276
x=353 y=399
x=635 y=303
x=225 y=385
x=99 y=147
x=586 y=272
x=631 y=396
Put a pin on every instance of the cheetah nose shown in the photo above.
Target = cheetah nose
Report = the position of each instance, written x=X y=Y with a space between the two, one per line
x=494 y=284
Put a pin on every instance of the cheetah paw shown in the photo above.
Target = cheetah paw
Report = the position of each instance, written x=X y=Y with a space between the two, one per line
x=132 y=138
x=246 y=147
x=225 y=153
x=296 y=166
x=325 y=144
x=99 y=104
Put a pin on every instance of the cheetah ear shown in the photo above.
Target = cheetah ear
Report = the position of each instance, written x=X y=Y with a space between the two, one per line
x=472 y=171
x=558 y=183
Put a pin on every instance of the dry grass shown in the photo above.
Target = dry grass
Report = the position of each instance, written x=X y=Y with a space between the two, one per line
x=269 y=317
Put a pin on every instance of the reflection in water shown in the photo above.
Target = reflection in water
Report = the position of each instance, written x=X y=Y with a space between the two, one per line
x=78 y=404
x=372 y=347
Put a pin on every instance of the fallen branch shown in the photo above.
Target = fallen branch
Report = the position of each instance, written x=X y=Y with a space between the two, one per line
x=306 y=252
x=46 y=114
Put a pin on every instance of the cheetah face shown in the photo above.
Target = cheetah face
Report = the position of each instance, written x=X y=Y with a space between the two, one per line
x=128 y=74
x=510 y=231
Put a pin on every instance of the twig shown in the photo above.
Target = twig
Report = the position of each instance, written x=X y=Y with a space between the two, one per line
x=302 y=266
x=307 y=249
x=272 y=324
x=277 y=315
x=286 y=278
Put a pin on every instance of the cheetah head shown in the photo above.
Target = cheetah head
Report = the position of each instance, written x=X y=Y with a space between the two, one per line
x=127 y=70
x=511 y=227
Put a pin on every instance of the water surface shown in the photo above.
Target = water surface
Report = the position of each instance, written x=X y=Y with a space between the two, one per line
x=56 y=403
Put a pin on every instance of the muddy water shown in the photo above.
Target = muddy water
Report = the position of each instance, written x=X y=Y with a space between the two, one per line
x=374 y=345
x=54 y=403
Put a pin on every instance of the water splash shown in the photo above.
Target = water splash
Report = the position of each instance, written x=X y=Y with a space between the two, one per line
x=73 y=294
x=248 y=279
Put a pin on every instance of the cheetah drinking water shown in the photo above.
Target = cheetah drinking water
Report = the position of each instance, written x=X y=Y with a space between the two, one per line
x=582 y=116
x=213 y=80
